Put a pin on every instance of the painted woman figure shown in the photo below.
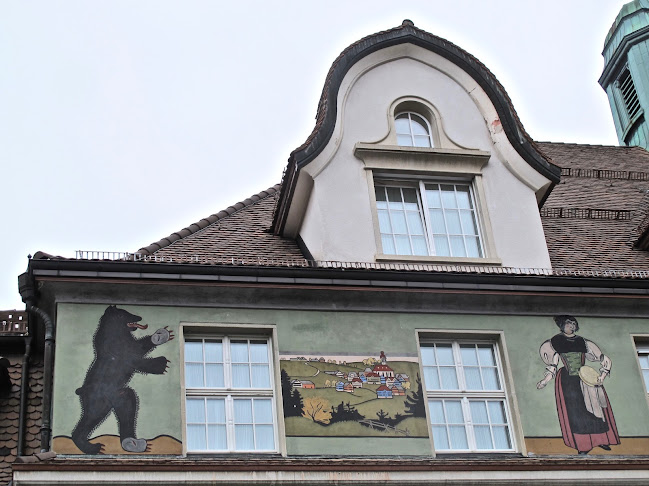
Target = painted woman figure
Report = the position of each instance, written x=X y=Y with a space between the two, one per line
x=585 y=413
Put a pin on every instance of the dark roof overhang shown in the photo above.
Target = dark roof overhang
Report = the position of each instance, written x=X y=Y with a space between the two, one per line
x=406 y=33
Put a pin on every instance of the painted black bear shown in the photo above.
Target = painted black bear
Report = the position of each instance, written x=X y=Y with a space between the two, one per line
x=118 y=355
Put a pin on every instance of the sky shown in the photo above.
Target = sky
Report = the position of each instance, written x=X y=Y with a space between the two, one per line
x=124 y=121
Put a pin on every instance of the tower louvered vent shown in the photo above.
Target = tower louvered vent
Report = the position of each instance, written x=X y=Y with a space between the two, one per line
x=629 y=94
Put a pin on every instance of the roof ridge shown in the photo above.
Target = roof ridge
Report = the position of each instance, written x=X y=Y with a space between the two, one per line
x=208 y=221
x=632 y=147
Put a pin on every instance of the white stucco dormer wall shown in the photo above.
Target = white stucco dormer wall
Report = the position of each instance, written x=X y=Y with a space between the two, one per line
x=338 y=223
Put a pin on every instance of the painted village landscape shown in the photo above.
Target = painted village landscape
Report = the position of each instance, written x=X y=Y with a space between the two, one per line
x=352 y=397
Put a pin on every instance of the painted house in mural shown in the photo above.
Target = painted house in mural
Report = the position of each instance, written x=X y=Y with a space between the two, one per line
x=506 y=280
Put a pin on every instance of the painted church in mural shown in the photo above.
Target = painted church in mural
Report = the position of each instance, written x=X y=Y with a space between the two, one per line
x=428 y=286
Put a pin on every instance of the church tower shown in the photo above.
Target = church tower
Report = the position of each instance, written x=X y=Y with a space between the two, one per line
x=626 y=73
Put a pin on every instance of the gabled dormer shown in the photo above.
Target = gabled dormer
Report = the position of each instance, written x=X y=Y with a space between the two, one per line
x=417 y=156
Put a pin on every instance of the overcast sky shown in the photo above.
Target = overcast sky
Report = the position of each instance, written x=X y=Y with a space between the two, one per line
x=124 y=121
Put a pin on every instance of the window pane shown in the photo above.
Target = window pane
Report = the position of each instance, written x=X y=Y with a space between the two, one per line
x=388 y=245
x=244 y=437
x=482 y=437
x=194 y=375
x=472 y=247
x=472 y=377
x=479 y=412
x=430 y=378
x=501 y=438
x=419 y=245
x=264 y=436
x=394 y=198
x=403 y=245
x=468 y=223
x=404 y=140
x=449 y=378
x=194 y=351
x=410 y=199
x=463 y=198
x=422 y=141
x=457 y=246
x=239 y=350
x=433 y=197
x=453 y=222
x=402 y=124
x=216 y=410
x=440 y=438
x=436 y=412
x=486 y=354
x=490 y=377
x=454 y=414
x=195 y=409
x=644 y=361
x=445 y=354
x=469 y=355
x=399 y=222
x=213 y=352
x=381 y=201
x=214 y=376
x=458 y=437
x=428 y=355
x=497 y=412
x=384 y=221
x=243 y=411
x=418 y=125
x=217 y=439
x=263 y=411
x=240 y=376
x=196 y=438
x=645 y=373
x=437 y=221
x=258 y=352
x=441 y=246
x=260 y=376
x=448 y=196
x=414 y=223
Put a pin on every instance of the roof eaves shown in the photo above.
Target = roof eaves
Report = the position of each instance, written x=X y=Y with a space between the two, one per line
x=406 y=32
x=205 y=222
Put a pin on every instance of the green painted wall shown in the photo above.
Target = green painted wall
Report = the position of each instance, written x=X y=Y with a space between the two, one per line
x=329 y=333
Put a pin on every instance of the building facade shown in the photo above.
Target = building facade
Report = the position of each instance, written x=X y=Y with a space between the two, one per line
x=429 y=296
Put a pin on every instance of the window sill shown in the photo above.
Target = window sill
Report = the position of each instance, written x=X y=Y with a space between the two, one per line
x=435 y=260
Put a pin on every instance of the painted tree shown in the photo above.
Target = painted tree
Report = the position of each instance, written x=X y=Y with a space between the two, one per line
x=414 y=403
x=290 y=397
x=317 y=409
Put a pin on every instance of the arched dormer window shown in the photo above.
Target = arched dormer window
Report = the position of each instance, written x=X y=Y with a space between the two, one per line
x=412 y=130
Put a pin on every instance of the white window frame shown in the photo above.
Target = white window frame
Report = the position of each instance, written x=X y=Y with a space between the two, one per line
x=643 y=350
x=465 y=396
x=420 y=186
x=426 y=126
x=230 y=393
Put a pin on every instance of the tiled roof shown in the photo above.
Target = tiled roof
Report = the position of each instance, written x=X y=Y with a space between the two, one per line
x=592 y=217
x=240 y=232
x=9 y=410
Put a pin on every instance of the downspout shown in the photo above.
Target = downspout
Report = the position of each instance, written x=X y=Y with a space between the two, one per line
x=28 y=295
x=48 y=368
x=24 y=384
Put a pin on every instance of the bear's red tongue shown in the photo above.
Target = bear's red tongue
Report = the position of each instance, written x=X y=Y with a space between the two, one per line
x=135 y=324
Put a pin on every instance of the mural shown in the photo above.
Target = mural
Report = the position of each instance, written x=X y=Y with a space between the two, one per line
x=119 y=354
x=352 y=396
x=583 y=407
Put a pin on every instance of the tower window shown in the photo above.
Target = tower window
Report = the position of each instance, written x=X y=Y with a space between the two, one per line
x=412 y=130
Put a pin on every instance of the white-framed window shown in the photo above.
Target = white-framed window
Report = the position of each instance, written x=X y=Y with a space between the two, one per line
x=428 y=218
x=412 y=130
x=643 y=357
x=229 y=394
x=466 y=395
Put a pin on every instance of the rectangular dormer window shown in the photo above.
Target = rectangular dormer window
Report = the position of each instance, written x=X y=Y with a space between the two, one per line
x=428 y=218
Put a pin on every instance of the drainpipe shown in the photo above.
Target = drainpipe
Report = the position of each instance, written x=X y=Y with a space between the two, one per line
x=28 y=294
x=24 y=385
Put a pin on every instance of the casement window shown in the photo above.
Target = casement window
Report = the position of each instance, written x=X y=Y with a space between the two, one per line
x=412 y=130
x=229 y=403
x=466 y=396
x=428 y=218
x=643 y=357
